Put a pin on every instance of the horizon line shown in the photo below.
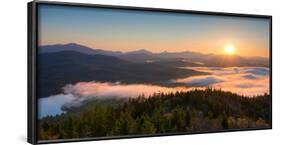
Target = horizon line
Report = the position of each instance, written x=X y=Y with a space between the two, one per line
x=144 y=49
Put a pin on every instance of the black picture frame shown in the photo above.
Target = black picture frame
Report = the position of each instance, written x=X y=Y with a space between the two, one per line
x=33 y=69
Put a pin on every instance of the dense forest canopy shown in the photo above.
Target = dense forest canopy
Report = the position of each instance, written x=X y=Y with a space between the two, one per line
x=196 y=110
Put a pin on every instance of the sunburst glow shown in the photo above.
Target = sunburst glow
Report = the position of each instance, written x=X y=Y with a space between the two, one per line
x=229 y=50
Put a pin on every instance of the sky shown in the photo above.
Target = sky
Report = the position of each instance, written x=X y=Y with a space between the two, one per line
x=127 y=30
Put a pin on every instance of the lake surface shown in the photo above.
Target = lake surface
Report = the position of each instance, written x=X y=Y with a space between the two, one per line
x=248 y=81
x=52 y=105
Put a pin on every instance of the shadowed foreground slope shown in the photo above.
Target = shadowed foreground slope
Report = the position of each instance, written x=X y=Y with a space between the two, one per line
x=197 y=110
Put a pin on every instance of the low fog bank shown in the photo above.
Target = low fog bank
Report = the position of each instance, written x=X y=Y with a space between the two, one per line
x=248 y=81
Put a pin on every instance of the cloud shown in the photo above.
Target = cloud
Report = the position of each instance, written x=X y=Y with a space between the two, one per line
x=200 y=80
x=258 y=71
x=249 y=76
x=115 y=90
x=76 y=94
x=248 y=81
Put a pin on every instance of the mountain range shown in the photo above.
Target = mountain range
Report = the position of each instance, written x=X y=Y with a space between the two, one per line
x=60 y=65
x=68 y=67
x=142 y=55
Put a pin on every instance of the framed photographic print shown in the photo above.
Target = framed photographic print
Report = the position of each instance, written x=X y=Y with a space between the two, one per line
x=110 y=72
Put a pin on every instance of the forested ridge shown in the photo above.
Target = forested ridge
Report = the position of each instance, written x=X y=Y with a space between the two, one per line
x=196 y=110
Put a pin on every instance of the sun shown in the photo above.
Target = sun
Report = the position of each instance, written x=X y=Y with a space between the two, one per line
x=229 y=50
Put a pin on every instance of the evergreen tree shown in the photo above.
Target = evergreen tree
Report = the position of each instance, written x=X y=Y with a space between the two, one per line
x=147 y=127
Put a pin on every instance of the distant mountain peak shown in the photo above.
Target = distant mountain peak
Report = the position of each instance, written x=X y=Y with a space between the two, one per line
x=63 y=44
x=164 y=52
x=73 y=44
x=140 y=51
x=66 y=47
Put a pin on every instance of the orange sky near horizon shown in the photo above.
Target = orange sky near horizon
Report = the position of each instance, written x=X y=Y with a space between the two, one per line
x=216 y=46
x=124 y=30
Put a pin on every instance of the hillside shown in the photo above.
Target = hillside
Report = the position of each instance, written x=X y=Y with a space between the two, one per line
x=65 y=67
x=192 y=111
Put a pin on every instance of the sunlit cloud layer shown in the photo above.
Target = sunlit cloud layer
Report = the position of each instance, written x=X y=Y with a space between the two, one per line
x=76 y=94
x=249 y=81
x=116 y=90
